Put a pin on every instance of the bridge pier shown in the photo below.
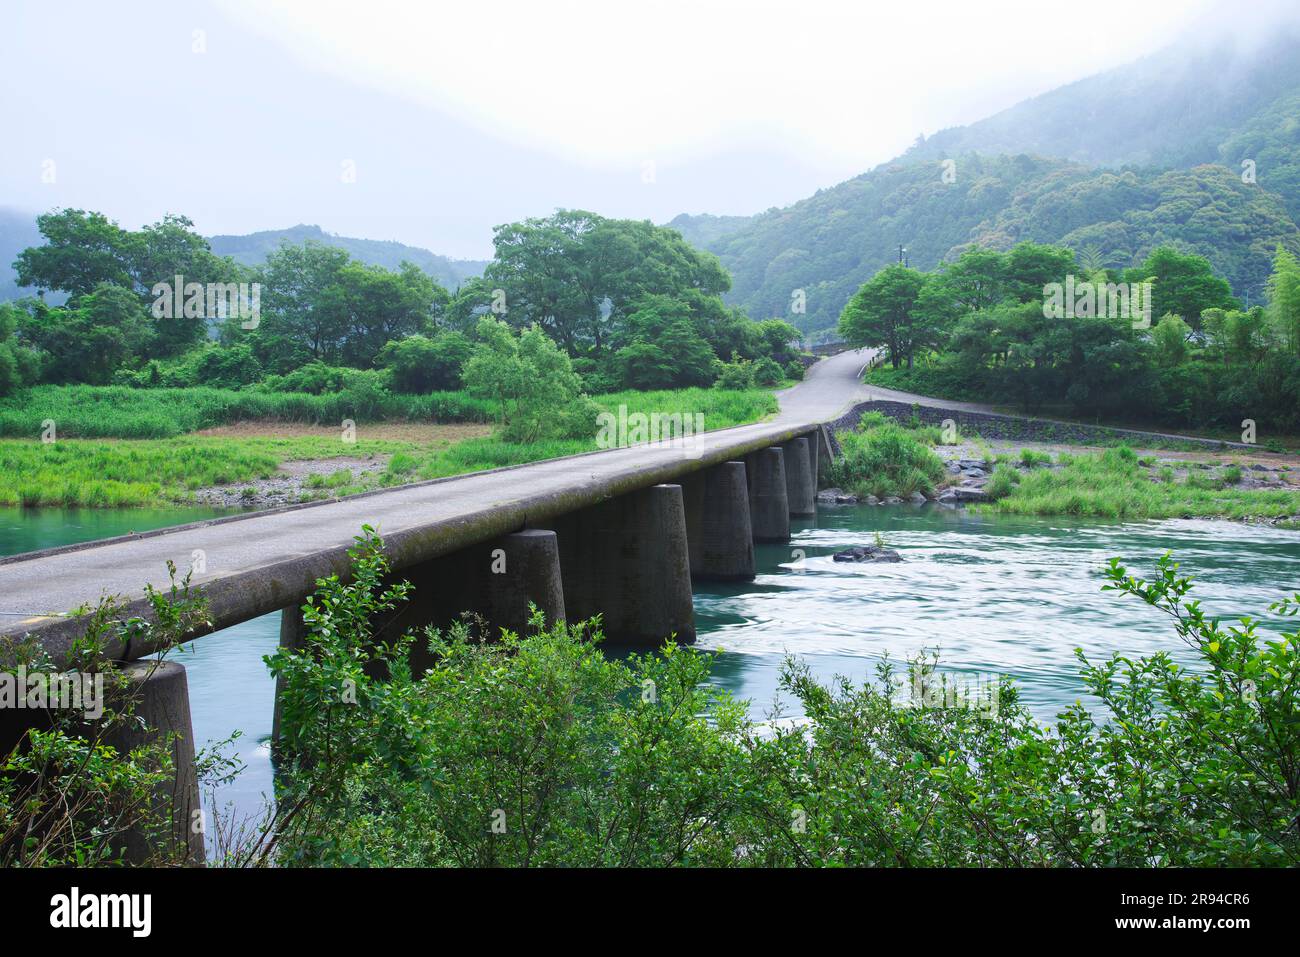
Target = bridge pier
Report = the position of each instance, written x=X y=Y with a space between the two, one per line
x=627 y=560
x=769 y=504
x=719 y=536
x=800 y=486
x=493 y=582
x=162 y=699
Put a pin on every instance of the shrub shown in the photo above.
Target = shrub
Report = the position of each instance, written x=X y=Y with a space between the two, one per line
x=538 y=750
x=767 y=372
x=885 y=459
x=736 y=374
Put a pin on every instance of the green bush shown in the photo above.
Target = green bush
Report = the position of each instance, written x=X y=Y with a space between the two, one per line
x=882 y=458
x=767 y=372
x=536 y=750
x=737 y=374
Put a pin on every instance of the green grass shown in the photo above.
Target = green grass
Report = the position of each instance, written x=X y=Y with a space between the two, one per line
x=83 y=411
x=882 y=458
x=1112 y=484
x=98 y=474
x=107 y=474
x=721 y=409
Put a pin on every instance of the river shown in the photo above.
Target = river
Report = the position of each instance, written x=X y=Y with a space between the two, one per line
x=994 y=595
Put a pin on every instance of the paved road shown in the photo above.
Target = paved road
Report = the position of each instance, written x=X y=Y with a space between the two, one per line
x=268 y=560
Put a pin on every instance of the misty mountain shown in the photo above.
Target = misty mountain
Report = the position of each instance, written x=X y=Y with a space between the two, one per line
x=253 y=248
x=1147 y=154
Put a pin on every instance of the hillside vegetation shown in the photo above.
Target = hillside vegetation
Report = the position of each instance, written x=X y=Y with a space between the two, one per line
x=1116 y=165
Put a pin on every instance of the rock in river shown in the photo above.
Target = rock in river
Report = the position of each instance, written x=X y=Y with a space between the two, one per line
x=867 y=553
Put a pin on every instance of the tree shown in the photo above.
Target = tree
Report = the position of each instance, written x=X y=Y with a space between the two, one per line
x=883 y=313
x=578 y=275
x=530 y=380
x=89 y=341
x=420 y=364
x=302 y=305
x=1283 y=291
x=662 y=350
x=81 y=251
x=1184 y=285
x=1169 y=338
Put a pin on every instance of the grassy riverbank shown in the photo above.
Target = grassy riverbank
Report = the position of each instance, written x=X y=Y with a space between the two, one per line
x=83 y=411
x=884 y=458
x=1117 y=483
x=158 y=471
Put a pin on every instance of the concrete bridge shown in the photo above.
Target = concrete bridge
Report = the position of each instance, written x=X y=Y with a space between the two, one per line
x=621 y=532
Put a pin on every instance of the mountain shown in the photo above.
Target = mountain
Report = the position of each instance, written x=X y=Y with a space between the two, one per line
x=1175 y=107
x=253 y=249
x=1147 y=154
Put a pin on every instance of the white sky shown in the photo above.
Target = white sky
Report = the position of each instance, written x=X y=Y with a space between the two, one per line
x=841 y=84
x=458 y=117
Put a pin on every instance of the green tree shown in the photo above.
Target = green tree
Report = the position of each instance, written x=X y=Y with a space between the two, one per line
x=1185 y=285
x=88 y=342
x=662 y=349
x=423 y=364
x=530 y=380
x=884 y=313
x=1170 y=339
x=81 y=251
x=1283 y=291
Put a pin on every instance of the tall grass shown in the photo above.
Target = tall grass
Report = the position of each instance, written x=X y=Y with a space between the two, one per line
x=882 y=458
x=158 y=471
x=1113 y=484
x=83 y=411
x=98 y=474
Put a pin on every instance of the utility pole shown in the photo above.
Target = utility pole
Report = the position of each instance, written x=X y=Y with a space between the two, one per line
x=902 y=255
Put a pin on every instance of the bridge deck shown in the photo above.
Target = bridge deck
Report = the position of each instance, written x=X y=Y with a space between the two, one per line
x=264 y=561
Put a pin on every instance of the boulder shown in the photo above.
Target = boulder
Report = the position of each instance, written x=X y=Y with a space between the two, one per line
x=867 y=553
x=836 y=496
x=893 y=500
x=917 y=498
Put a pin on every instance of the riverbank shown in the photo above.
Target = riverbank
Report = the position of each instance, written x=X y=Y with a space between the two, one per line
x=263 y=463
x=1092 y=481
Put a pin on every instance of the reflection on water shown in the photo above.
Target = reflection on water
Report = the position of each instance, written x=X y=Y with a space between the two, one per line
x=1007 y=595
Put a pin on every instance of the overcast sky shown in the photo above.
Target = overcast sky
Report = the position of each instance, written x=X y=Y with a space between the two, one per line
x=431 y=122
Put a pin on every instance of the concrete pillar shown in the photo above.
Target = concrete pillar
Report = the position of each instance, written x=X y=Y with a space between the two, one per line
x=769 y=508
x=718 y=532
x=800 y=487
x=291 y=636
x=814 y=459
x=162 y=700
x=489 y=585
x=627 y=560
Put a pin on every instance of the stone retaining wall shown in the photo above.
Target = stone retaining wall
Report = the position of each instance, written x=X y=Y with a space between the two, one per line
x=992 y=425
